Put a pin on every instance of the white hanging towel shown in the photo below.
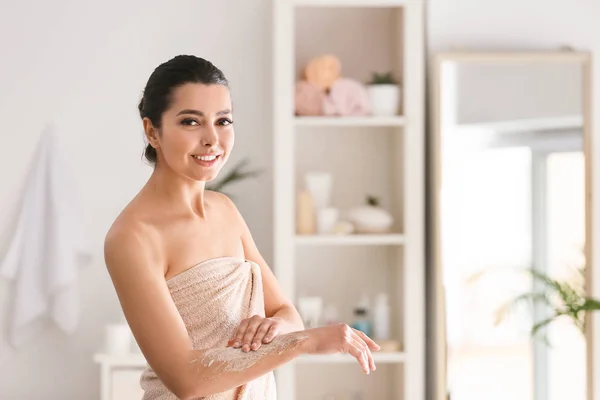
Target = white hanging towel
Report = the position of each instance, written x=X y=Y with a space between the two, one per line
x=47 y=249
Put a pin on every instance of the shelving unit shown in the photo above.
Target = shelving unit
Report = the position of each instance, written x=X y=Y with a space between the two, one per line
x=382 y=156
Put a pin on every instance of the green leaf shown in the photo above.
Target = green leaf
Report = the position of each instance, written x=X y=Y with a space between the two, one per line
x=590 y=305
x=236 y=174
x=545 y=279
x=539 y=325
x=564 y=298
x=372 y=201
x=504 y=310
x=386 y=78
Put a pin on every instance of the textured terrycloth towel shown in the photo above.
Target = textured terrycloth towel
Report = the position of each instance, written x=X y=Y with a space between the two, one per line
x=48 y=247
x=213 y=297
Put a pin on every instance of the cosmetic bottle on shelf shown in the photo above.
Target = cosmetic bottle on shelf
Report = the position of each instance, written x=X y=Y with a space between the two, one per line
x=362 y=321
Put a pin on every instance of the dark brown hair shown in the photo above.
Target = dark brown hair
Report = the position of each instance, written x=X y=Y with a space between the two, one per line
x=165 y=79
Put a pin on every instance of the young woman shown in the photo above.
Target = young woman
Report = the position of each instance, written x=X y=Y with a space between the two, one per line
x=205 y=309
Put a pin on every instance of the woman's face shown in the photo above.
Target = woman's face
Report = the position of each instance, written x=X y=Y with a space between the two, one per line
x=197 y=132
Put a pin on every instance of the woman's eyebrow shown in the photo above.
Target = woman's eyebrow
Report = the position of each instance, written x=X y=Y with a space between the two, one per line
x=200 y=113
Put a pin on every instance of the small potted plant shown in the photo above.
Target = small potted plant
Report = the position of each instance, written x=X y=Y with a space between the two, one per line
x=384 y=94
x=563 y=299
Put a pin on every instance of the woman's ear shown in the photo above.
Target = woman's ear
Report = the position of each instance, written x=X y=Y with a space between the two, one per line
x=151 y=133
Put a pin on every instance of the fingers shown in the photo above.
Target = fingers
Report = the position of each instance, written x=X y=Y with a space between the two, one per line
x=239 y=334
x=370 y=342
x=271 y=333
x=362 y=342
x=357 y=347
x=248 y=342
x=253 y=332
x=259 y=338
x=367 y=353
x=356 y=350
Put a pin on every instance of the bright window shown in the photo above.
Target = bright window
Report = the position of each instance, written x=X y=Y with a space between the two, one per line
x=490 y=223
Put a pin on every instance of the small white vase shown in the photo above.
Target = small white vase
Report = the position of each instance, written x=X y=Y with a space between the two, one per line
x=118 y=339
x=384 y=99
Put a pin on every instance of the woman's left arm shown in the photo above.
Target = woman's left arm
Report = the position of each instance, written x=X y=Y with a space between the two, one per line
x=281 y=316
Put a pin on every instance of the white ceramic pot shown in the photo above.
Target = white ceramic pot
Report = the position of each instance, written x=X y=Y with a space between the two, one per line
x=384 y=99
x=370 y=219
x=118 y=339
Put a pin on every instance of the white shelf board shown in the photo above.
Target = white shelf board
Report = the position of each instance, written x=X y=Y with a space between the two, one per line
x=379 y=358
x=351 y=240
x=350 y=121
x=350 y=3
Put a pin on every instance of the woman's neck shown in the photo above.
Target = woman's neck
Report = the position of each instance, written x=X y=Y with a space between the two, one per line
x=176 y=192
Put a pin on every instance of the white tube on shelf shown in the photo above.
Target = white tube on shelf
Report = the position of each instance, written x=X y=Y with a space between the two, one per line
x=381 y=317
x=319 y=186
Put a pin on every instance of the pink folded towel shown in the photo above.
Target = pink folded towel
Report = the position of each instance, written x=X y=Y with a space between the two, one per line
x=347 y=97
x=309 y=98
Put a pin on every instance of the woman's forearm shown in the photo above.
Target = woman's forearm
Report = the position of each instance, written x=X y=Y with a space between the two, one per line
x=220 y=369
x=290 y=319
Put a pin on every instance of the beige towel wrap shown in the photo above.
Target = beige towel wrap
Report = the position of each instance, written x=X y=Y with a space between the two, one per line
x=213 y=297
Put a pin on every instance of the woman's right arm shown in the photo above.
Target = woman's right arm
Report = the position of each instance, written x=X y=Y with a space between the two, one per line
x=135 y=267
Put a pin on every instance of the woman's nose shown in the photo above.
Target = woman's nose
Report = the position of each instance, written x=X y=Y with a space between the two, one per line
x=209 y=137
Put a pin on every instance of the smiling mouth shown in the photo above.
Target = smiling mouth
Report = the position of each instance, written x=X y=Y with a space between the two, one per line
x=206 y=158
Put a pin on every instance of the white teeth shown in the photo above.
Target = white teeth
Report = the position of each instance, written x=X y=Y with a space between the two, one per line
x=205 y=158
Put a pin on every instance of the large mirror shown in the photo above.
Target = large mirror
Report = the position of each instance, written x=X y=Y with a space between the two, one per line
x=510 y=206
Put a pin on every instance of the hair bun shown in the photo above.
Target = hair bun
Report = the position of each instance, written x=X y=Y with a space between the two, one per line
x=141 y=107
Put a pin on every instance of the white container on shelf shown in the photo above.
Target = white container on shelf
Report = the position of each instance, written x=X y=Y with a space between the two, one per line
x=118 y=339
x=381 y=317
x=326 y=220
x=384 y=99
x=319 y=186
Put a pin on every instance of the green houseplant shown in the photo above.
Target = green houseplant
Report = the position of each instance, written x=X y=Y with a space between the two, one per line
x=563 y=299
x=385 y=78
x=236 y=174
x=384 y=94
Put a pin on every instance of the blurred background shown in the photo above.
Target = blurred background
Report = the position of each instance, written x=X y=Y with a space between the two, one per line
x=80 y=67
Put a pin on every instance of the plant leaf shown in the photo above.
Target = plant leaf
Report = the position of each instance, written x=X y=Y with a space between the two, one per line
x=590 y=305
x=513 y=303
x=539 y=325
x=235 y=174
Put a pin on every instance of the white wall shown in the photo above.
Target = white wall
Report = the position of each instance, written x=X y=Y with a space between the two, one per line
x=532 y=24
x=83 y=65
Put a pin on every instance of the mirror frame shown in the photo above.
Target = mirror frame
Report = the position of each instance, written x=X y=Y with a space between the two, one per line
x=437 y=357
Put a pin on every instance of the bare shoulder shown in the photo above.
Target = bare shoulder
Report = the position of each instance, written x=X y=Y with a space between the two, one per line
x=218 y=198
x=130 y=241
x=224 y=203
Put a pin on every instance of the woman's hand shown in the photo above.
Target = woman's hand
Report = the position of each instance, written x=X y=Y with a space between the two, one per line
x=341 y=338
x=255 y=331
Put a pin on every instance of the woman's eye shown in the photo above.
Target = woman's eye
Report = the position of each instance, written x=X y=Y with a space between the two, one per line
x=225 y=121
x=189 y=122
